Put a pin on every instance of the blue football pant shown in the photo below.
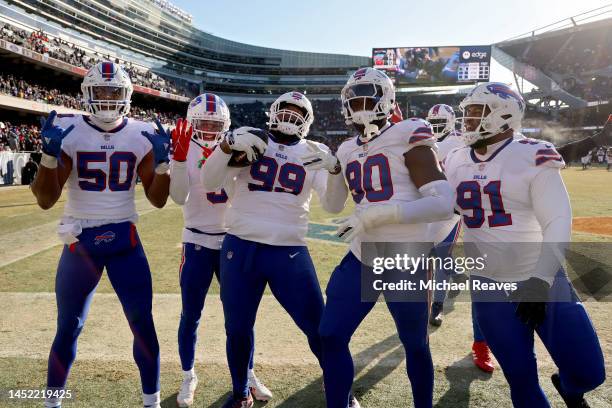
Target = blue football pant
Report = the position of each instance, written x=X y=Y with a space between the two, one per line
x=567 y=333
x=246 y=268
x=344 y=312
x=117 y=248
x=444 y=250
x=198 y=265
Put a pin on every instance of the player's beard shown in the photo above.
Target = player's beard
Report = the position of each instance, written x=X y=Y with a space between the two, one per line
x=480 y=144
x=283 y=138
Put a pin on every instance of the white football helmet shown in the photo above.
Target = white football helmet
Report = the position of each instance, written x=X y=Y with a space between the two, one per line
x=442 y=120
x=368 y=84
x=288 y=121
x=209 y=117
x=107 y=91
x=506 y=111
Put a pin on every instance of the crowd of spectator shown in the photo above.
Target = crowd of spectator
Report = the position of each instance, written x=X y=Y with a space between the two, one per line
x=580 y=61
x=62 y=50
x=19 y=138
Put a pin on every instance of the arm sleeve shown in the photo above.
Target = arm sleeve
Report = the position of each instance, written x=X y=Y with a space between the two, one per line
x=553 y=211
x=179 y=182
x=435 y=205
x=332 y=191
x=214 y=170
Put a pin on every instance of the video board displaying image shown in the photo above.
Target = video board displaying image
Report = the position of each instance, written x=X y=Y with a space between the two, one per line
x=434 y=65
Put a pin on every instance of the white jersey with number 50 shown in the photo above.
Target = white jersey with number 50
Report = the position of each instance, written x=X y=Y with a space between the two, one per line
x=376 y=173
x=272 y=197
x=104 y=166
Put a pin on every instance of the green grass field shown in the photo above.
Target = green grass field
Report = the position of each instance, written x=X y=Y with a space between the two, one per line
x=104 y=374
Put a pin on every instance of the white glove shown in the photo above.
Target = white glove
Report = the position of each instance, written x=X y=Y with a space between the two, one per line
x=320 y=159
x=374 y=215
x=243 y=140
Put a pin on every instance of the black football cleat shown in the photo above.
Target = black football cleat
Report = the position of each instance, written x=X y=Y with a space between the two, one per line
x=572 y=401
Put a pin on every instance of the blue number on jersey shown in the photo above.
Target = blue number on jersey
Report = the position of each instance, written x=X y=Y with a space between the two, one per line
x=291 y=176
x=473 y=202
x=217 y=198
x=359 y=178
x=95 y=179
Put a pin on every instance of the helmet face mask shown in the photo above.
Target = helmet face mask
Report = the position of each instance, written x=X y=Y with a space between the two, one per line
x=291 y=114
x=209 y=117
x=107 y=92
x=368 y=98
x=208 y=130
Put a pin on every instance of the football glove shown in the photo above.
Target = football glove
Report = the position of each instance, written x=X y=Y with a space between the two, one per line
x=181 y=136
x=160 y=141
x=52 y=135
x=531 y=297
x=374 y=215
x=243 y=141
x=320 y=159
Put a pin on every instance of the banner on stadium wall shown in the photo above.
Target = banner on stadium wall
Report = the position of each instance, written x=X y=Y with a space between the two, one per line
x=80 y=71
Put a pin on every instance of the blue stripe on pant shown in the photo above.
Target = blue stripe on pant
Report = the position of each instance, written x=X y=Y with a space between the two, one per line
x=116 y=247
x=344 y=311
x=567 y=333
x=246 y=268
x=198 y=265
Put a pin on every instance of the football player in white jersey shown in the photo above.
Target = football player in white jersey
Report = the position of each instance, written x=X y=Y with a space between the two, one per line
x=98 y=157
x=398 y=187
x=445 y=233
x=267 y=224
x=208 y=117
x=516 y=212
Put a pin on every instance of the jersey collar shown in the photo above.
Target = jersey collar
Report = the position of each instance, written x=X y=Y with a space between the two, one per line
x=495 y=153
x=99 y=129
x=360 y=143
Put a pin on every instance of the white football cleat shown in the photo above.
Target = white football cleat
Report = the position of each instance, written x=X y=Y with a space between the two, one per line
x=259 y=390
x=353 y=403
x=184 y=397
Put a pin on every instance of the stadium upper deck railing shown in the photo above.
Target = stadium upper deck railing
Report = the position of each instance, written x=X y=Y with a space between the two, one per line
x=600 y=13
x=69 y=68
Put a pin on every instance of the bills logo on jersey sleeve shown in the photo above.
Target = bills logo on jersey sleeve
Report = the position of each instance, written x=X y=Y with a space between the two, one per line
x=547 y=155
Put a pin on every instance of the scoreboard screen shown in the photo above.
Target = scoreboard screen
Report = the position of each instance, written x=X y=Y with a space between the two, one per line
x=434 y=65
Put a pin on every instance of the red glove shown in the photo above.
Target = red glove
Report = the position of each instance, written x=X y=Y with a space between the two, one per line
x=181 y=135
x=397 y=114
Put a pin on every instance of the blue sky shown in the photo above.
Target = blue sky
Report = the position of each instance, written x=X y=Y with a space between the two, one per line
x=354 y=27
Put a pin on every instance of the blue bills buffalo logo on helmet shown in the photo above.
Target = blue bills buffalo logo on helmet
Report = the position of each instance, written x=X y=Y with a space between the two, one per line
x=106 y=237
x=297 y=96
x=504 y=92
x=360 y=73
x=195 y=102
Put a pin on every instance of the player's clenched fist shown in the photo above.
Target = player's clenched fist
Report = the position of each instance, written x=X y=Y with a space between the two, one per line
x=52 y=135
x=244 y=140
x=181 y=135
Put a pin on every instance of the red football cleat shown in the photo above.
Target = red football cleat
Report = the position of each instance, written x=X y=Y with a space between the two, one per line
x=482 y=356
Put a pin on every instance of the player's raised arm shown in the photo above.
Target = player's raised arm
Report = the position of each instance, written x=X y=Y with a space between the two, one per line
x=55 y=164
x=179 y=177
x=251 y=145
x=153 y=169
x=329 y=185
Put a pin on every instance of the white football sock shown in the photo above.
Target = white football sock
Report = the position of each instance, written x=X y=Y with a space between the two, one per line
x=189 y=373
x=251 y=374
x=151 y=399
